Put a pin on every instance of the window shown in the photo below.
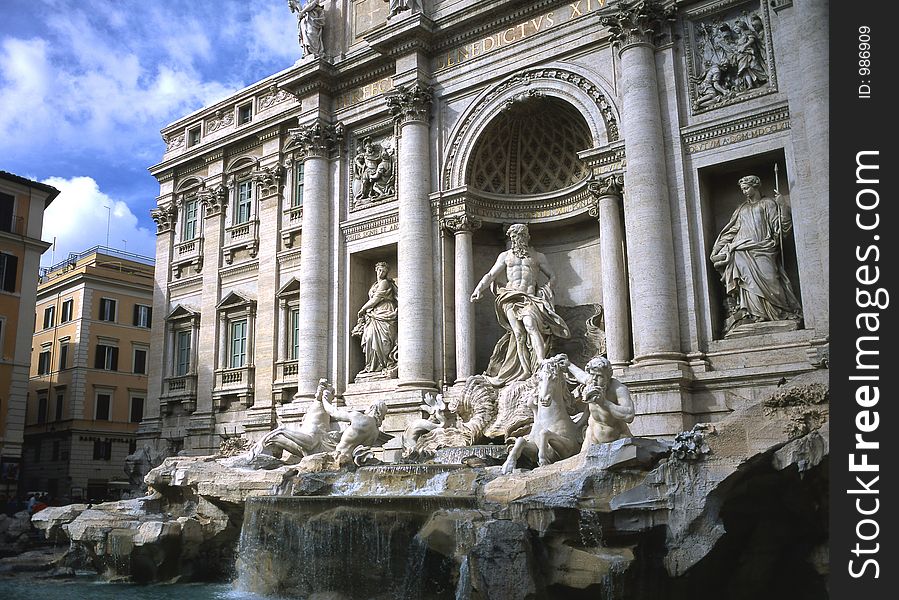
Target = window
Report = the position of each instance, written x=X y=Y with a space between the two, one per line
x=7 y=205
x=103 y=405
x=43 y=362
x=67 y=308
x=294 y=333
x=193 y=136
x=142 y=315
x=9 y=266
x=298 y=193
x=102 y=450
x=49 y=317
x=54 y=454
x=37 y=453
x=182 y=352
x=238 y=343
x=245 y=113
x=189 y=231
x=63 y=355
x=107 y=357
x=107 y=309
x=140 y=361
x=60 y=398
x=244 y=200
x=137 y=409
x=42 y=408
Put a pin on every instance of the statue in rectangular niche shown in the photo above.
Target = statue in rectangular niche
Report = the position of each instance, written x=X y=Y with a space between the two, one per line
x=749 y=255
x=377 y=328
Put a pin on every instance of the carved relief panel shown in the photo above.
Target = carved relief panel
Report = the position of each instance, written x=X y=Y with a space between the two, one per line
x=730 y=57
x=373 y=167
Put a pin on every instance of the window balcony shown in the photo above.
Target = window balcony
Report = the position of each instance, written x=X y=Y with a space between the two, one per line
x=238 y=237
x=189 y=253
x=179 y=388
x=291 y=223
x=234 y=383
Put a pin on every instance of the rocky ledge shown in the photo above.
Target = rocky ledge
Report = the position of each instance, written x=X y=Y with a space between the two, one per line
x=739 y=504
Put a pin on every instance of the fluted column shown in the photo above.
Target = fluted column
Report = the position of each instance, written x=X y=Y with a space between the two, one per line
x=607 y=192
x=410 y=106
x=647 y=214
x=316 y=141
x=463 y=228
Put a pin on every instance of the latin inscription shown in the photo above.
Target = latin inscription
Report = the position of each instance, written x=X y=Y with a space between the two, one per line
x=365 y=92
x=523 y=30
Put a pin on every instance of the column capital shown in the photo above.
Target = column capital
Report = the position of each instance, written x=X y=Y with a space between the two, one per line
x=317 y=139
x=410 y=103
x=463 y=223
x=164 y=217
x=637 y=23
x=605 y=187
x=213 y=200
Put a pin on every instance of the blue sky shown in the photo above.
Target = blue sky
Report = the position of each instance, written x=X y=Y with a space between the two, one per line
x=86 y=86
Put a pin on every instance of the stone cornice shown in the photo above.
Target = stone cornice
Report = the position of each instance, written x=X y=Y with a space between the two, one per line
x=746 y=127
x=410 y=103
x=570 y=202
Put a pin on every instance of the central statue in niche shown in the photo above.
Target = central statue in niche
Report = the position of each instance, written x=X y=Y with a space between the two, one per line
x=524 y=309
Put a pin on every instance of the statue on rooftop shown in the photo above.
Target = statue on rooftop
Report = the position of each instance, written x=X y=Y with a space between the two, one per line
x=395 y=7
x=310 y=25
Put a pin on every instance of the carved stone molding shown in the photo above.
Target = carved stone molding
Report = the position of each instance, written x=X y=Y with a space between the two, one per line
x=410 y=103
x=528 y=80
x=637 y=23
x=371 y=227
x=737 y=130
x=463 y=223
x=273 y=96
x=317 y=139
x=174 y=142
x=164 y=217
x=222 y=118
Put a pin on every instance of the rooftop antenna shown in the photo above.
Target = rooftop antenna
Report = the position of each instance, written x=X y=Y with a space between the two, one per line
x=108 y=217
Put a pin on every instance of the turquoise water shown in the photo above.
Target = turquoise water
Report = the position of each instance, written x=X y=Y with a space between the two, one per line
x=30 y=589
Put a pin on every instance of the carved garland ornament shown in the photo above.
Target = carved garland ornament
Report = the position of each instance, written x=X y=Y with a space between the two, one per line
x=524 y=79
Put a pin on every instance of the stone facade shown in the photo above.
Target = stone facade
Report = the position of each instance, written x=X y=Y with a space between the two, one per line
x=586 y=120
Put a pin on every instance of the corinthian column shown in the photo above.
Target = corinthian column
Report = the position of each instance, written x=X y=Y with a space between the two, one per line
x=647 y=214
x=463 y=227
x=607 y=192
x=410 y=107
x=315 y=140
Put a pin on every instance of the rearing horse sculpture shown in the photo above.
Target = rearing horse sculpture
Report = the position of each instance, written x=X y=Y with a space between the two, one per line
x=554 y=435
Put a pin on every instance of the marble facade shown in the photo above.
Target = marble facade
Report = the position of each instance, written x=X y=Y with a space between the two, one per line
x=584 y=120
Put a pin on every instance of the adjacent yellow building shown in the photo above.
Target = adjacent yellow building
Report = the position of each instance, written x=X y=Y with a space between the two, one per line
x=88 y=386
x=22 y=205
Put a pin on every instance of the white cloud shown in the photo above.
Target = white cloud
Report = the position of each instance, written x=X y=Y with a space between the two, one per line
x=77 y=218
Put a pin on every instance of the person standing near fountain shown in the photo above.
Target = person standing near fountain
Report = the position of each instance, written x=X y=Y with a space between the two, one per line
x=377 y=327
x=525 y=310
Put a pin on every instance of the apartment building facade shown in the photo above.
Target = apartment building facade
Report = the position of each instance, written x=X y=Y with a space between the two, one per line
x=88 y=384
x=22 y=205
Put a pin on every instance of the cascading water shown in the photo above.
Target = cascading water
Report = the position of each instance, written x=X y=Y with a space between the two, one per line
x=348 y=547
